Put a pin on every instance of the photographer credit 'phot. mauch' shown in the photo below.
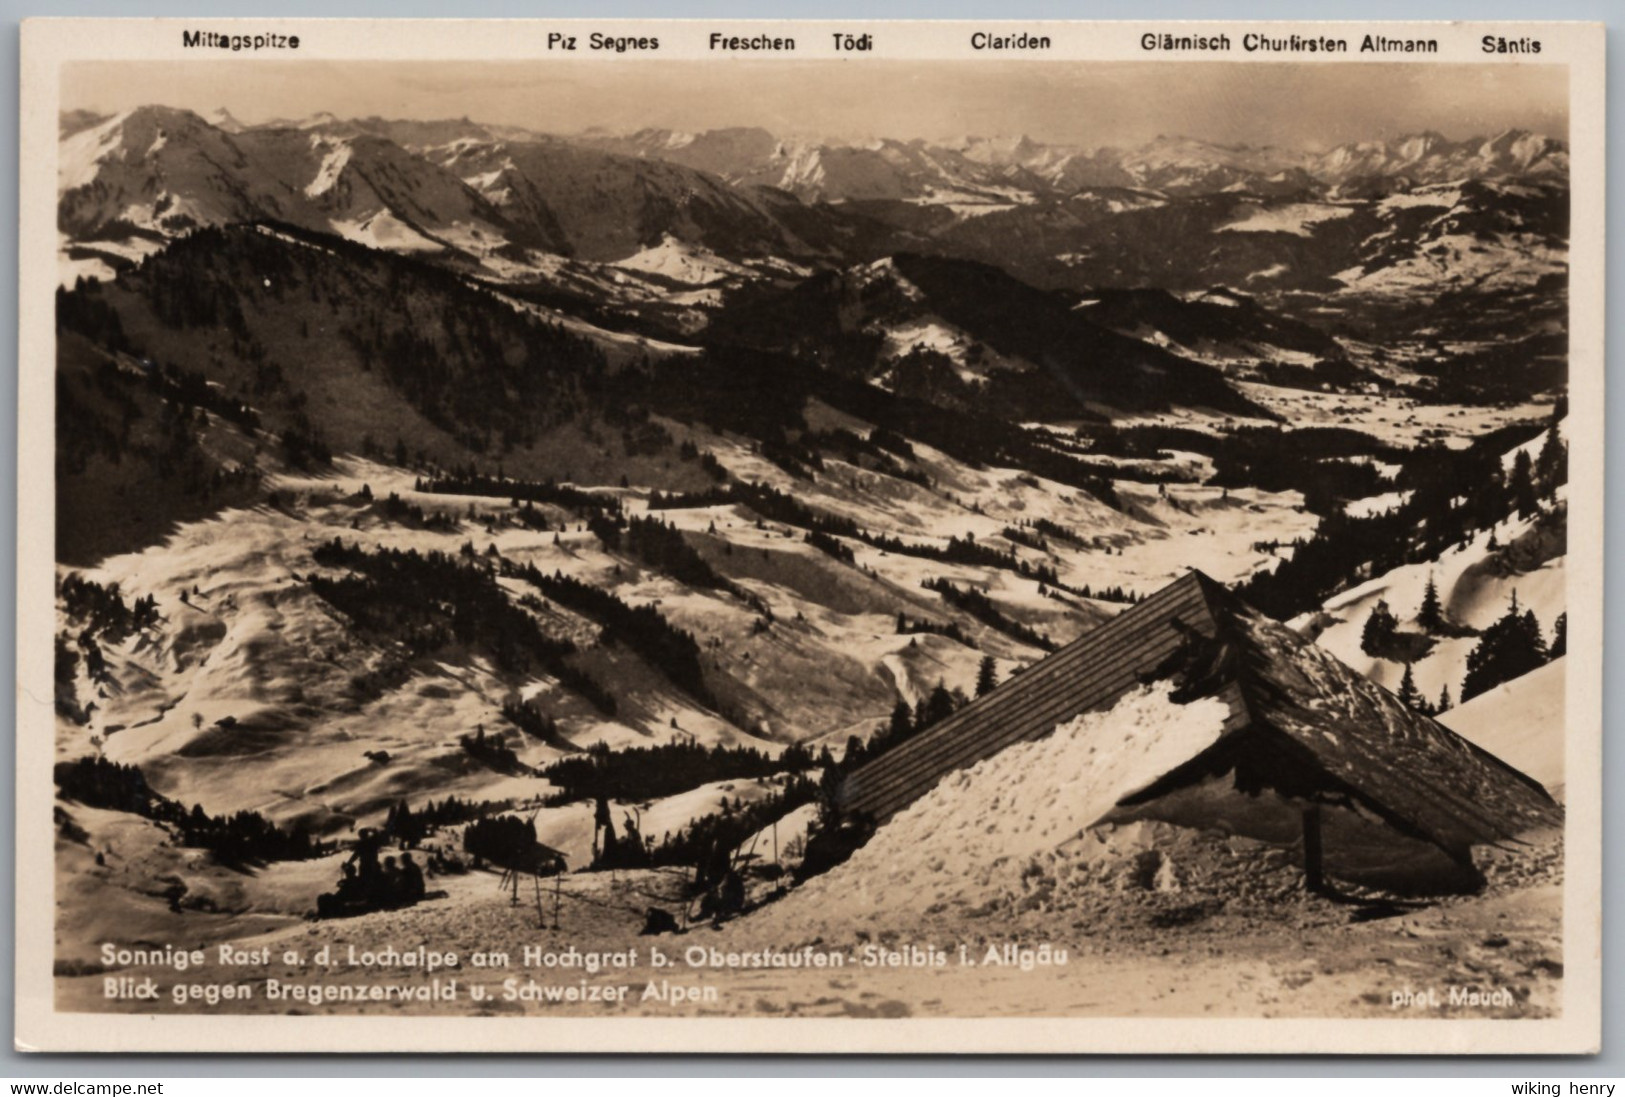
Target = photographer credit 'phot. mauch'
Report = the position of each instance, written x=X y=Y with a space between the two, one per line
x=797 y=536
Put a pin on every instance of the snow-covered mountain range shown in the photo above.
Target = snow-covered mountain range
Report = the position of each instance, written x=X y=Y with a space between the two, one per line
x=157 y=167
x=838 y=371
x=621 y=222
x=1021 y=166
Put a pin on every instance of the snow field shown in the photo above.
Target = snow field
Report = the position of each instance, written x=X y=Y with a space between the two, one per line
x=1297 y=218
x=1521 y=723
x=689 y=264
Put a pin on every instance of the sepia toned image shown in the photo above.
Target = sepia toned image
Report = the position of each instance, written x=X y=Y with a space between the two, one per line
x=788 y=540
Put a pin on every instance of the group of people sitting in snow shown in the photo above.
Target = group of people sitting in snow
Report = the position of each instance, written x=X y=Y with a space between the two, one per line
x=366 y=884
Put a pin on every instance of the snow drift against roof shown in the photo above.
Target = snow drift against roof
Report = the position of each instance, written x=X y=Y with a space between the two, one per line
x=969 y=838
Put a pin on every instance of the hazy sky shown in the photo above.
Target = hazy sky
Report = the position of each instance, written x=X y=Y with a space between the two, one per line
x=1085 y=103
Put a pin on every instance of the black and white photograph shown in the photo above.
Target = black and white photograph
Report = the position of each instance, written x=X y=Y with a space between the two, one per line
x=788 y=536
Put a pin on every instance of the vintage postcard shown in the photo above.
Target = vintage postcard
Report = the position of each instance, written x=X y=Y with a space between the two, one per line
x=810 y=537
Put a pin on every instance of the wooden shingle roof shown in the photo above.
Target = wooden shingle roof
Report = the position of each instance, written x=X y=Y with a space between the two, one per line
x=1300 y=722
x=1087 y=675
x=1415 y=772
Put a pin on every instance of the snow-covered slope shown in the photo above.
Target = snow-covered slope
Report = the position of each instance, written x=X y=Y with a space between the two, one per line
x=1483 y=235
x=1521 y=722
x=1475 y=581
x=689 y=264
x=968 y=842
x=1296 y=218
x=1475 y=584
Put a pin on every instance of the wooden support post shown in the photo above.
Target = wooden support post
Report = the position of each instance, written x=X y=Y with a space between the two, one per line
x=1313 y=862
